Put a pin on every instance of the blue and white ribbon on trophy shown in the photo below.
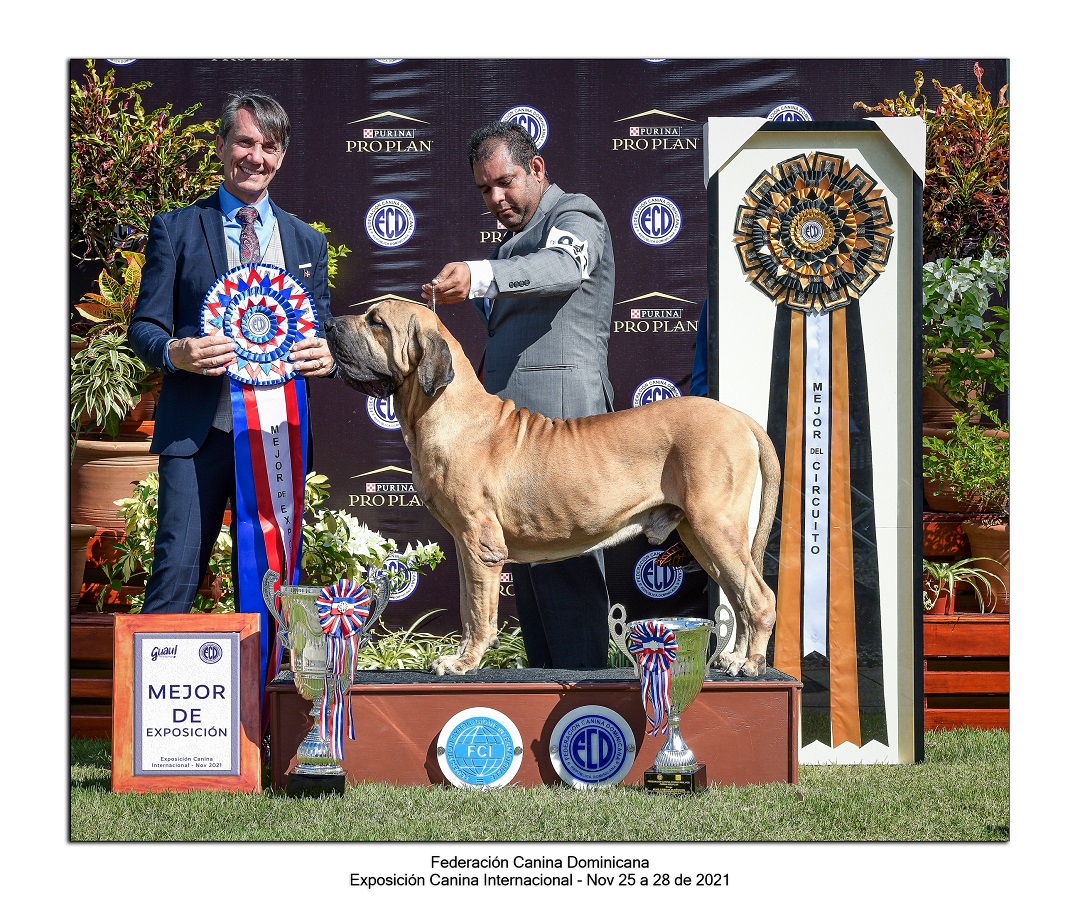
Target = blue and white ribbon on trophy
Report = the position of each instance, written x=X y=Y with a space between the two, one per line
x=265 y=311
x=343 y=609
x=653 y=646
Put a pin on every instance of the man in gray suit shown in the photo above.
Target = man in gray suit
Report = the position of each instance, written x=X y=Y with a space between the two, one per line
x=545 y=298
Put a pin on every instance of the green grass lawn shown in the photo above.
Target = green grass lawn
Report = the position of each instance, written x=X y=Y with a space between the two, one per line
x=959 y=793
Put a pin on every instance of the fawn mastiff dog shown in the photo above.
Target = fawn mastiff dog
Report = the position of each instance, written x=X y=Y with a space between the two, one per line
x=513 y=486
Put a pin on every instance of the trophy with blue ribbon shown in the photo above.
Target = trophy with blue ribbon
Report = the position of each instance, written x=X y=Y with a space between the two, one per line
x=323 y=630
x=670 y=657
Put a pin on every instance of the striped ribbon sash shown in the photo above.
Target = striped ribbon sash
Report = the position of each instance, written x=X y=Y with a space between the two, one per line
x=654 y=646
x=343 y=609
x=265 y=311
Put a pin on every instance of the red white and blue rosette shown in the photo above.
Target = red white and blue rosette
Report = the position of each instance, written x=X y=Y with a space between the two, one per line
x=343 y=609
x=653 y=646
x=264 y=311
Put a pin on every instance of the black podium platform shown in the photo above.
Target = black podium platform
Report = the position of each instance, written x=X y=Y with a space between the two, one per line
x=745 y=730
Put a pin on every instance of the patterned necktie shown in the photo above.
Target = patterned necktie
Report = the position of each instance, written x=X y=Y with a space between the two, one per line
x=249 y=241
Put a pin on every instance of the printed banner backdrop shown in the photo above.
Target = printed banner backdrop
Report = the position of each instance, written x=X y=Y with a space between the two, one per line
x=379 y=155
x=817 y=340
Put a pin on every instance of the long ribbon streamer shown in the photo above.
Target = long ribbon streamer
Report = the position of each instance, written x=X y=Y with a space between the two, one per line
x=343 y=609
x=653 y=646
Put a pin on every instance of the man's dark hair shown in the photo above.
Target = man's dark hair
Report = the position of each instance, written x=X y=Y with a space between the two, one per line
x=272 y=119
x=513 y=136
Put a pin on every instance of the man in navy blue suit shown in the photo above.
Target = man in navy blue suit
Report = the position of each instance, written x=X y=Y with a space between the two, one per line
x=187 y=251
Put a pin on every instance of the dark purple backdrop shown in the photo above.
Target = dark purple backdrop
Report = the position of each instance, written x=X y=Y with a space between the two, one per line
x=622 y=131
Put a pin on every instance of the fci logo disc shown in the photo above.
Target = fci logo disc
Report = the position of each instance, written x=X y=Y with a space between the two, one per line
x=592 y=746
x=479 y=748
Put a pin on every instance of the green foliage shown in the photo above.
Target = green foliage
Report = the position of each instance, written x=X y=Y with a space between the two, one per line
x=945 y=576
x=975 y=462
x=965 y=339
x=335 y=546
x=128 y=164
x=136 y=553
x=111 y=309
x=409 y=649
x=333 y=253
x=107 y=381
x=966 y=193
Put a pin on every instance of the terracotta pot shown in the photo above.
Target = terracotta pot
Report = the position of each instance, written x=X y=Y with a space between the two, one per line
x=944 y=599
x=104 y=471
x=80 y=540
x=992 y=541
x=937 y=409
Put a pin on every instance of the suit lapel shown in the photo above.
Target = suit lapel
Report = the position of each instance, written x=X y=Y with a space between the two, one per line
x=290 y=247
x=210 y=217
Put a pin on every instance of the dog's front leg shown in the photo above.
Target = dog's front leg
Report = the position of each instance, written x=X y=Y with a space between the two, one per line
x=479 y=613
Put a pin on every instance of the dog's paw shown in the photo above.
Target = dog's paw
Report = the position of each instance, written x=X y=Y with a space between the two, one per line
x=452 y=665
x=730 y=664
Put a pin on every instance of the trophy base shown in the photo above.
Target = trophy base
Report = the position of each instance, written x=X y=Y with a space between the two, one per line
x=675 y=782
x=314 y=785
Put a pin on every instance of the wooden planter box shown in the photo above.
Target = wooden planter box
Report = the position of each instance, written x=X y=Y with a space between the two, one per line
x=745 y=731
x=965 y=671
x=91 y=668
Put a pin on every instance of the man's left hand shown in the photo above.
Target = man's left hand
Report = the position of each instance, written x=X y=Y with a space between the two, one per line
x=312 y=357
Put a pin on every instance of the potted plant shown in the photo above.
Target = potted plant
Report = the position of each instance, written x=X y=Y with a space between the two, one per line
x=965 y=346
x=969 y=467
x=942 y=579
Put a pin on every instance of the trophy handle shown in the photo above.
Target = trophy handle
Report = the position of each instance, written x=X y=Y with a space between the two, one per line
x=722 y=626
x=617 y=629
x=270 y=598
x=379 y=584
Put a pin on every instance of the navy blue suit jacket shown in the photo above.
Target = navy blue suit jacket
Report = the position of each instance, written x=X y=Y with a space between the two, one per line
x=185 y=255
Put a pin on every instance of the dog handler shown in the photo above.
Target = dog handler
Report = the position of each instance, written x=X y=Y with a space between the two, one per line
x=545 y=298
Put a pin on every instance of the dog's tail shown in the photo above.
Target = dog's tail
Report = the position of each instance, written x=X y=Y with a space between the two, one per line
x=769 y=464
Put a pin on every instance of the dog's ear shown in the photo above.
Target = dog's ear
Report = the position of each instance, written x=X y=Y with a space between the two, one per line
x=436 y=367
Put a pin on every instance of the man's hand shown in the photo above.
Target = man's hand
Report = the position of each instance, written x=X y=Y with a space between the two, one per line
x=312 y=356
x=209 y=355
x=451 y=285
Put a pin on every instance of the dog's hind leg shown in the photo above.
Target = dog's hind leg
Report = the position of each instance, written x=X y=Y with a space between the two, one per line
x=722 y=550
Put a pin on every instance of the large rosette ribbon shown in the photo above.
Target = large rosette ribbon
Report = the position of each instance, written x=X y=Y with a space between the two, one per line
x=653 y=646
x=343 y=610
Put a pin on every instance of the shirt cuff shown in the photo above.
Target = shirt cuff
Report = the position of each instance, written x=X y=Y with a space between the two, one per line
x=482 y=279
x=167 y=363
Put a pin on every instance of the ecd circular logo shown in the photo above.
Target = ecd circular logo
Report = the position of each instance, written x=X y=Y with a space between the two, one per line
x=790 y=112
x=592 y=746
x=655 y=389
x=403 y=581
x=390 y=222
x=532 y=120
x=657 y=582
x=656 y=220
x=381 y=412
x=479 y=748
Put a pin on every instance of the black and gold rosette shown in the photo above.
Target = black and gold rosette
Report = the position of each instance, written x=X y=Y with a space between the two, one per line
x=813 y=233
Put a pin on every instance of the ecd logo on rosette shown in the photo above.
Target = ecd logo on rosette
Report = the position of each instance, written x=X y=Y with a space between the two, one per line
x=656 y=220
x=657 y=582
x=655 y=389
x=592 y=746
x=390 y=222
x=479 y=748
x=531 y=119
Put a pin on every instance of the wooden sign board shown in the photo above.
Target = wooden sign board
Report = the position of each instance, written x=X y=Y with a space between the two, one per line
x=186 y=703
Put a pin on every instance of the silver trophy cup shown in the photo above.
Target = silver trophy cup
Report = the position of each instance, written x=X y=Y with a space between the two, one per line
x=676 y=769
x=316 y=770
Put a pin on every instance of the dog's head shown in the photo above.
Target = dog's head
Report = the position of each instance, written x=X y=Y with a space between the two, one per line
x=378 y=351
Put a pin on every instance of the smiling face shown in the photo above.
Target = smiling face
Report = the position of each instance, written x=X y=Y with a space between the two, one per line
x=249 y=159
x=511 y=193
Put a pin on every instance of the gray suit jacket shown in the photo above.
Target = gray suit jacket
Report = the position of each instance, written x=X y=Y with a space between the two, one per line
x=549 y=326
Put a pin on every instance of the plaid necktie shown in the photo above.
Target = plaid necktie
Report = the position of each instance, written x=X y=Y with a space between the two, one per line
x=249 y=241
